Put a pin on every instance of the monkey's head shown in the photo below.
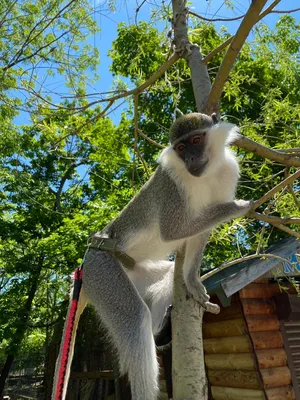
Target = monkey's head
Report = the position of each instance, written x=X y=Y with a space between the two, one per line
x=197 y=139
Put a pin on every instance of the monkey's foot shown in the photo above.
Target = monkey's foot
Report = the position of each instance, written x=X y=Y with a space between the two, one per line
x=197 y=290
x=212 y=308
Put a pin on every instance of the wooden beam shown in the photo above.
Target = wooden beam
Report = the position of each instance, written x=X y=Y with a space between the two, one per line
x=236 y=344
x=232 y=327
x=267 y=340
x=239 y=361
x=274 y=377
x=271 y=358
x=258 y=307
x=228 y=393
x=261 y=323
x=281 y=393
x=237 y=379
x=259 y=291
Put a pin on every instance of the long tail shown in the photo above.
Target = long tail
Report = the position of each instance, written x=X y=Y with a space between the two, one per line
x=63 y=364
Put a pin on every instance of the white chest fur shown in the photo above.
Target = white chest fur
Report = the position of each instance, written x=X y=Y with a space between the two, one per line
x=217 y=185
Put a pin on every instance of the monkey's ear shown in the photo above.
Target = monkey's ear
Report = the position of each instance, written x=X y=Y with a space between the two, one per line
x=214 y=118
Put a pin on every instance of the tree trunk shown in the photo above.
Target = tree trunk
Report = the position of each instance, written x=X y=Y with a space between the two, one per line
x=189 y=378
x=188 y=369
x=20 y=332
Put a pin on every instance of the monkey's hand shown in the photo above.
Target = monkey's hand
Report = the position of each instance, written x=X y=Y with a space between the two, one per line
x=197 y=290
x=244 y=206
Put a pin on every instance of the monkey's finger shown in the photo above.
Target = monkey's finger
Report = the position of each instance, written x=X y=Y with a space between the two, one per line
x=212 y=308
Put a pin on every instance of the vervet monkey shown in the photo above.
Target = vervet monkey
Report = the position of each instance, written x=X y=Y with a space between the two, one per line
x=191 y=192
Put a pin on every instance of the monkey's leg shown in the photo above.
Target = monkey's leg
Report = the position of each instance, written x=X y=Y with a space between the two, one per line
x=127 y=318
x=154 y=282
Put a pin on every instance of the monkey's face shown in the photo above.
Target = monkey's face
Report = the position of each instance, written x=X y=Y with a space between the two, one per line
x=191 y=149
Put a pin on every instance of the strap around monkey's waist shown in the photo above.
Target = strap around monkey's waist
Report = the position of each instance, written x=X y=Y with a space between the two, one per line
x=110 y=245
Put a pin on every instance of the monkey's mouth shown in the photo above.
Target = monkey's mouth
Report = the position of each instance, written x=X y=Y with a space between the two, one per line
x=197 y=170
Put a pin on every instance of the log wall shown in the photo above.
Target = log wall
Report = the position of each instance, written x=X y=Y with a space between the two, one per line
x=229 y=357
x=264 y=329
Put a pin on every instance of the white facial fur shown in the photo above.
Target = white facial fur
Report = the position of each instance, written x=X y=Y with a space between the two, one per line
x=218 y=139
x=218 y=181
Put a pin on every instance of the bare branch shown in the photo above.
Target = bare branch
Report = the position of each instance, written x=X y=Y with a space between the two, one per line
x=150 y=140
x=288 y=230
x=265 y=152
x=8 y=10
x=276 y=189
x=217 y=50
x=215 y=19
x=241 y=16
x=101 y=113
x=175 y=57
x=136 y=135
x=291 y=190
x=285 y=11
x=19 y=60
x=251 y=17
x=222 y=46
x=291 y=151
x=16 y=59
x=273 y=220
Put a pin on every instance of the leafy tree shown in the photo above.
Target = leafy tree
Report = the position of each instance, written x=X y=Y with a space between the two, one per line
x=71 y=170
x=49 y=208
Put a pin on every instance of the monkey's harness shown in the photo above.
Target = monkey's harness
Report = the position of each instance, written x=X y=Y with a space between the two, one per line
x=98 y=243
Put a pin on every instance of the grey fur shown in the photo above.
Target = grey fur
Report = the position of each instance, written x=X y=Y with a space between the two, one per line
x=163 y=216
x=189 y=123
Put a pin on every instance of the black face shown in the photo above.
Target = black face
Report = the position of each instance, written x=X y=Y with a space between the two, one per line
x=192 y=151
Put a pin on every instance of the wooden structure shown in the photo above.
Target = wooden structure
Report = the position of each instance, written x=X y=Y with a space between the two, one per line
x=252 y=348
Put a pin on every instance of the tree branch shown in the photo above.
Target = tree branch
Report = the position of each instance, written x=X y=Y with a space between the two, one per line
x=276 y=189
x=62 y=183
x=251 y=17
x=273 y=220
x=217 y=50
x=16 y=58
x=288 y=230
x=285 y=11
x=175 y=57
x=291 y=190
x=19 y=60
x=150 y=140
x=229 y=40
x=265 y=152
x=215 y=19
x=277 y=222
x=136 y=135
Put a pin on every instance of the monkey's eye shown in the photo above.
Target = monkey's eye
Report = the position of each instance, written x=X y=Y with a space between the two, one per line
x=197 y=139
x=180 y=147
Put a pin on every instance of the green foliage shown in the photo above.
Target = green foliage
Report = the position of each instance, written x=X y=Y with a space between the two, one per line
x=261 y=95
x=39 y=39
x=64 y=177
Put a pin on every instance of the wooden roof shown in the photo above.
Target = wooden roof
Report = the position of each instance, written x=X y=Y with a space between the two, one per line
x=232 y=279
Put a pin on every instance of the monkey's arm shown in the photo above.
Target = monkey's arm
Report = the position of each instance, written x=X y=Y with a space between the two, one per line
x=184 y=227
